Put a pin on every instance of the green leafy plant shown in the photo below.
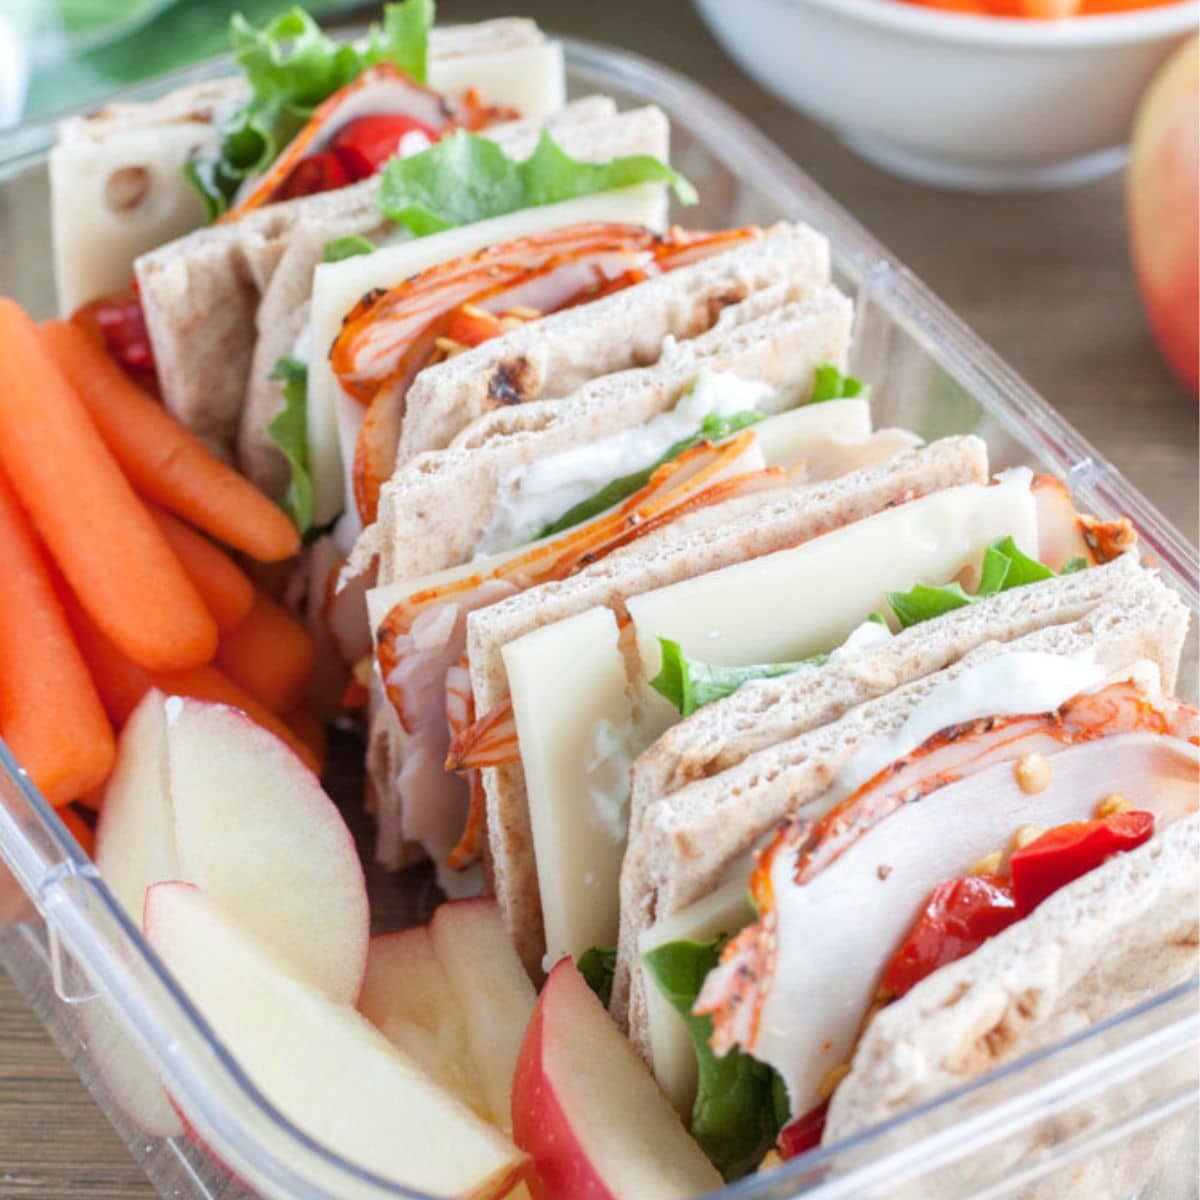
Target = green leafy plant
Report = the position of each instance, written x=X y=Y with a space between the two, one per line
x=740 y=1104
x=466 y=178
x=292 y=66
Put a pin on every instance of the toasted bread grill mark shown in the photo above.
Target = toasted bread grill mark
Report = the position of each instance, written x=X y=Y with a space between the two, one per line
x=513 y=382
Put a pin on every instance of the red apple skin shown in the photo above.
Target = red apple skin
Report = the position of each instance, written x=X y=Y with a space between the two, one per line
x=1164 y=209
x=540 y=1126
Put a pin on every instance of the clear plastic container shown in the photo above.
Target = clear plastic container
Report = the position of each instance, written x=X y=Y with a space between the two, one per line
x=1111 y=1111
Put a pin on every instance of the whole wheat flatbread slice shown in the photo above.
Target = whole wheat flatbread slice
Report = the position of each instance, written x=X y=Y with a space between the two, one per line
x=688 y=841
x=553 y=357
x=201 y=293
x=437 y=507
x=739 y=529
x=1123 y=932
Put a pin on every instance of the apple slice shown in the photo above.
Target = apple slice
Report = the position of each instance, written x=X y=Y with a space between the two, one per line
x=408 y=998
x=589 y=1112
x=135 y=837
x=202 y=794
x=323 y=1065
x=129 y=1079
x=495 y=993
x=134 y=844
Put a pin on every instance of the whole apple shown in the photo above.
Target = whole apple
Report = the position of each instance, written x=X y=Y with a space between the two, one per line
x=1164 y=208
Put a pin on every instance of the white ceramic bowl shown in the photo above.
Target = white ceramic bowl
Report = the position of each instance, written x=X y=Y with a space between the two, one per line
x=978 y=103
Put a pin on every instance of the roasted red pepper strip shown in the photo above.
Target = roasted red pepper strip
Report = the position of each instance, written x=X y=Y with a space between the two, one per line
x=804 y=1133
x=322 y=172
x=367 y=142
x=117 y=321
x=1064 y=854
x=963 y=913
x=960 y=916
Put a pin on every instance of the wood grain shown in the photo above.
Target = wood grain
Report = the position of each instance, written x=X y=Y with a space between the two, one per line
x=1044 y=279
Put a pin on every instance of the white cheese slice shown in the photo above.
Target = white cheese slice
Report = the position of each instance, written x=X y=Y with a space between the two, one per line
x=528 y=78
x=568 y=685
x=802 y=601
x=112 y=200
x=672 y=1056
x=333 y=418
x=789 y=437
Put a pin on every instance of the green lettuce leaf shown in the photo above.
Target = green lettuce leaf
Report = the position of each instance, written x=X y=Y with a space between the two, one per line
x=466 y=178
x=830 y=384
x=292 y=66
x=1005 y=566
x=350 y=246
x=737 y=1113
x=689 y=684
x=714 y=428
x=923 y=603
x=597 y=966
x=288 y=429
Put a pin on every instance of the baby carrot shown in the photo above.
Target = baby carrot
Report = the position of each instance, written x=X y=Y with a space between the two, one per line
x=224 y=587
x=162 y=459
x=50 y=715
x=208 y=683
x=122 y=684
x=92 y=523
x=89 y=801
x=79 y=829
x=311 y=732
x=270 y=654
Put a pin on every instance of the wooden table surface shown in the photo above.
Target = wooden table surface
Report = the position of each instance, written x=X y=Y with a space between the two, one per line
x=1044 y=279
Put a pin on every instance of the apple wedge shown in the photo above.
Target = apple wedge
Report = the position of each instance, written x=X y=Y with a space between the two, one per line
x=202 y=794
x=407 y=997
x=323 y=1065
x=589 y=1112
x=495 y=993
x=134 y=844
x=135 y=836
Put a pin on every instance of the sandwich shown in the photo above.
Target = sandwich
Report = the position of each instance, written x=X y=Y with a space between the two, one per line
x=118 y=182
x=1036 y=720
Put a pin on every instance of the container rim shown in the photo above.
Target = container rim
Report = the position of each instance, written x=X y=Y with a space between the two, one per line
x=164 y=1023
x=934 y=24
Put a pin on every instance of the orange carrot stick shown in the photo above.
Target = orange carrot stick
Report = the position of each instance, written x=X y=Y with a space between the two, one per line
x=162 y=459
x=50 y=715
x=79 y=829
x=122 y=684
x=88 y=516
x=311 y=732
x=270 y=654
x=224 y=587
x=208 y=683
x=90 y=801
